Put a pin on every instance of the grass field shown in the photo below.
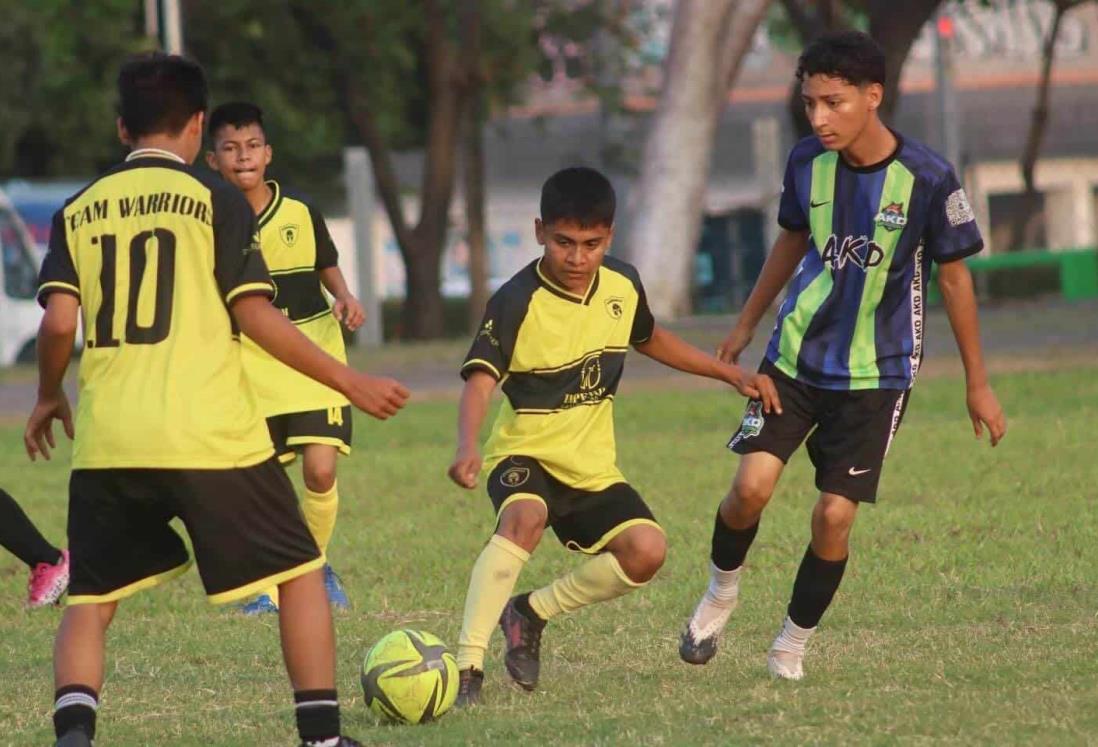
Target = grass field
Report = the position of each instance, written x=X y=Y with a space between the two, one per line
x=968 y=613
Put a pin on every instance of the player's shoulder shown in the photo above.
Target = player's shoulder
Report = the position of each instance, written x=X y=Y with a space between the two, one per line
x=517 y=291
x=222 y=194
x=923 y=161
x=623 y=268
x=805 y=150
x=294 y=198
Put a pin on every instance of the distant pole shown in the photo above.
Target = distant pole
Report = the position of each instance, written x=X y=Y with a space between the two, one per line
x=949 y=125
x=163 y=20
x=360 y=201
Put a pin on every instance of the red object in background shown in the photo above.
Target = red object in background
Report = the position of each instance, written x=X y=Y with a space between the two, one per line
x=945 y=27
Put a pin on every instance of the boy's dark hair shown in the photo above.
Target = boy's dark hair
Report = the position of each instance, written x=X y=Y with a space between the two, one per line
x=578 y=194
x=236 y=113
x=159 y=93
x=850 y=55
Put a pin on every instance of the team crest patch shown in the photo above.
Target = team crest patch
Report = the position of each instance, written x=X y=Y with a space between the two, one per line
x=892 y=217
x=288 y=233
x=514 y=477
x=615 y=307
x=752 y=425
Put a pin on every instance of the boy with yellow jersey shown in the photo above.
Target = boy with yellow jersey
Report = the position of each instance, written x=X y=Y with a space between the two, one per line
x=555 y=337
x=161 y=259
x=302 y=414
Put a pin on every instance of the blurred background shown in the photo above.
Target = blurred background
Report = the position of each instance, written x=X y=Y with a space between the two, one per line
x=425 y=128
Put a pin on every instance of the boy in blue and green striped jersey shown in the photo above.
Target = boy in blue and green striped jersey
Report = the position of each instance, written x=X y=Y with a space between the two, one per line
x=864 y=212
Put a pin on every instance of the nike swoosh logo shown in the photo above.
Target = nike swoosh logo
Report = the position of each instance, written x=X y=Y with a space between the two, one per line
x=855 y=472
x=818 y=204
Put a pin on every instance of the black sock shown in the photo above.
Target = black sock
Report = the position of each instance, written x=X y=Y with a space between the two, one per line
x=20 y=537
x=730 y=546
x=317 y=714
x=74 y=708
x=522 y=604
x=816 y=584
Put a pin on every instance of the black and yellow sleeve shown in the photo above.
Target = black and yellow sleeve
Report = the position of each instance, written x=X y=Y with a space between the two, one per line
x=238 y=263
x=494 y=344
x=58 y=273
x=326 y=253
x=644 y=324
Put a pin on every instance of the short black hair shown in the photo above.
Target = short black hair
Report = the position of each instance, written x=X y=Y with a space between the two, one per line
x=850 y=55
x=236 y=113
x=579 y=194
x=159 y=93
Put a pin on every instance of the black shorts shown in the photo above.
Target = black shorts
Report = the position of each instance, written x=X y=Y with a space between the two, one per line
x=293 y=430
x=245 y=526
x=583 y=520
x=853 y=431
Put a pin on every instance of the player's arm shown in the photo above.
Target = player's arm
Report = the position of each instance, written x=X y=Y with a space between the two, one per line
x=272 y=331
x=955 y=282
x=56 y=336
x=475 y=398
x=671 y=350
x=788 y=251
x=346 y=308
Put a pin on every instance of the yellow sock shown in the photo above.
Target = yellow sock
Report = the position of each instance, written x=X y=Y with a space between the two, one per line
x=320 y=514
x=598 y=580
x=490 y=586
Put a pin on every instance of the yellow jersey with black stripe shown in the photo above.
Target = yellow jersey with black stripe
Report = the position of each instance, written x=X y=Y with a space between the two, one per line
x=560 y=357
x=156 y=251
x=296 y=247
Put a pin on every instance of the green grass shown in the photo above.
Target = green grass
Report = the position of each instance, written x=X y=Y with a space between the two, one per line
x=968 y=613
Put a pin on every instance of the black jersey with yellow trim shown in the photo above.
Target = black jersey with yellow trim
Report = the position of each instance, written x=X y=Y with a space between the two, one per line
x=560 y=358
x=296 y=246
x=156 y=251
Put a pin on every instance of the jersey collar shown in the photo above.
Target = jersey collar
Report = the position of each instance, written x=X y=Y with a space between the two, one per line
x=880 y=164
x=272 y=207
x=567 y=295
x=154 y=153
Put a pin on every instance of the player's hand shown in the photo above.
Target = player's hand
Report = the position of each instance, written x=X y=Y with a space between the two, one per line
x=466 y=467
x=768 y=393
x=984 y=409
x=349 y=311
x=376 y=396
x=738 y=339
x=38 y=437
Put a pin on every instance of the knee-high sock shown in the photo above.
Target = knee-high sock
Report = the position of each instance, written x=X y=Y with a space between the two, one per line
x=598 y=580
x=20 y=537
x=490 y=586
x=815 y=586
x=320 y=514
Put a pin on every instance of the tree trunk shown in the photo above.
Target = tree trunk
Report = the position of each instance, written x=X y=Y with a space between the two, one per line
x=896 y=26
x=1023 y=223
x=423 y=314
x=677 y=154
x=476 y=236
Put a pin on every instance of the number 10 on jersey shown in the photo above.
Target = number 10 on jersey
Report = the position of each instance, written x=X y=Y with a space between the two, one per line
x=158 y=243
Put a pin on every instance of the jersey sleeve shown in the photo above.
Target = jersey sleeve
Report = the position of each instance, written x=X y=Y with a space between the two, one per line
x=790 y=211
x=951 y=230
x=58 y=273
x=326 y=253
x=494 y=344
x=644 y=324
x=238 y=263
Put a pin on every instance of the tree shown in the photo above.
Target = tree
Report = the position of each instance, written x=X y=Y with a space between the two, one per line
x=1023 y=224
x=675 y=168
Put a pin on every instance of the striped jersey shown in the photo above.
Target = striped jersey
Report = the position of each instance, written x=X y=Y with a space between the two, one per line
x=560 y=357
x=853 y=314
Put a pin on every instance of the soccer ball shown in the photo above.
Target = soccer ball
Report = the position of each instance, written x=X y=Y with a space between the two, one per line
x=410 y=677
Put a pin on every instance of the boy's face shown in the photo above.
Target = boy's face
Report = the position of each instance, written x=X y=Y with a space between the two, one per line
x=241 y=155
x=839 y=110
x=573 y=253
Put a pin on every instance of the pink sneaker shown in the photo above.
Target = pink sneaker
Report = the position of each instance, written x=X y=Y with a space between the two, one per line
x=48 y=582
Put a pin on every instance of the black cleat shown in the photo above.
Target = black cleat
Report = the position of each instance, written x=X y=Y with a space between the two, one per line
x=75 y=738
x=694 y=651
x=344 y=742
x=469 y=683
x=522 y=638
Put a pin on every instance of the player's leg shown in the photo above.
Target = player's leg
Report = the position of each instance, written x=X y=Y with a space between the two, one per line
x=518 y=488
x=49 y=566
x=848 y=451
x=765 y=442
x=617 y=528
x=320 y=504
x=266 y=601
x=253 y=538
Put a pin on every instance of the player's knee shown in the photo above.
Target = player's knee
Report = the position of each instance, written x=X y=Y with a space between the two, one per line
x=319 y=478
x=750 y=493
x=642 y=553
x=523 y=523
x=833 y=519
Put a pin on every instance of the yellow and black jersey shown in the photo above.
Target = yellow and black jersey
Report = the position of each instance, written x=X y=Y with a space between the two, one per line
x=296 y=247
x=560 y=357
x=156 y=251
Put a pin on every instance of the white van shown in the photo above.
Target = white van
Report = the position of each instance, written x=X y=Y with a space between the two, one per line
x=19 y=311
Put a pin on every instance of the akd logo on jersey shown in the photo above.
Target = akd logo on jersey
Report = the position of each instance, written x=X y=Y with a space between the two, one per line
x=288 y=233
x=615 y=306
x=891 y=217
x=514 y=477
x=858 y=251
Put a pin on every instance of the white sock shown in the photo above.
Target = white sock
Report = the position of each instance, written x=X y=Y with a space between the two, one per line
x=792 y=638
x=333 y=742
x=718 y=601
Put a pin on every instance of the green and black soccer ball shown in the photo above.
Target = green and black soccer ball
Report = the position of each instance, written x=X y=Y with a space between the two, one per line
x=409 y=677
